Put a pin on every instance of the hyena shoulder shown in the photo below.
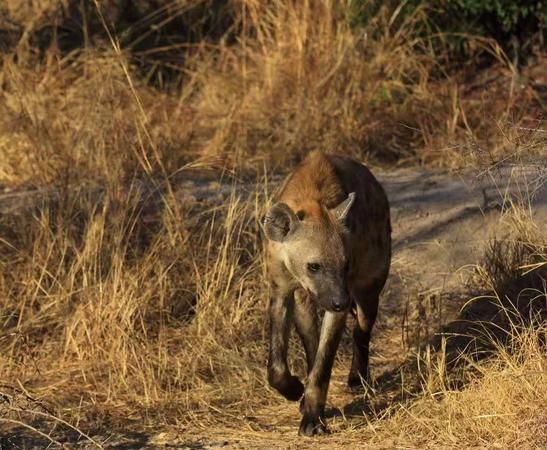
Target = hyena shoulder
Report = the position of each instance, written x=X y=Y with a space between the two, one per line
x=327 y=179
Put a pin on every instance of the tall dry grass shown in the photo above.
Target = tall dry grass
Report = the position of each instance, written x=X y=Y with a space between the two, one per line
x=124 y=301
x=291 y=77
x=110 y=324
x=95 y=310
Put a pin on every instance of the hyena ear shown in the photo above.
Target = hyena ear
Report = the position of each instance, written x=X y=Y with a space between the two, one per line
x=342 y=210
x=279 y=222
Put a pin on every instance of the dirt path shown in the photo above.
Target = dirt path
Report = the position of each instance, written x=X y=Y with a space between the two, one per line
x=441 y=225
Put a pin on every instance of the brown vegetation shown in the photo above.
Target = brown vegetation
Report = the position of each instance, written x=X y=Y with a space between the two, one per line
x=129 y=301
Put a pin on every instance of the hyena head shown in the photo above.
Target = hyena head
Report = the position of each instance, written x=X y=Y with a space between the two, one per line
x=314 y=249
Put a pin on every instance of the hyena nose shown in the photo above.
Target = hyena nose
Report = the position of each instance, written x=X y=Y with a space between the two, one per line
x=339 y=304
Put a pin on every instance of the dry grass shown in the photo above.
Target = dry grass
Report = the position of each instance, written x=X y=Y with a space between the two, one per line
x=97 y=330
x=500 y=408
x=130 y=308
x=125 y=303
x=298 y=78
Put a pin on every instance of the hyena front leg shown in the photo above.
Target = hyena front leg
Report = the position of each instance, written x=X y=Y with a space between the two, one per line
x=279 y=375
x=315 y=395
x=305 y=318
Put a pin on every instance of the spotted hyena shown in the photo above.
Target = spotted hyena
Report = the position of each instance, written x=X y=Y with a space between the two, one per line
x=329 y=247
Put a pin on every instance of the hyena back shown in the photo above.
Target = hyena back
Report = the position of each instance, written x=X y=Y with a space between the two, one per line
x=329 y=246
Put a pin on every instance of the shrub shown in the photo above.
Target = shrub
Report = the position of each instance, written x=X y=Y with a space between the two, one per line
x=515 y=25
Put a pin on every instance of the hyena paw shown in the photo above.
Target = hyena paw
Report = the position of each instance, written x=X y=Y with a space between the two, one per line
x=312 y=426
x=294 y=389
x=287 y=385
x=356 y=383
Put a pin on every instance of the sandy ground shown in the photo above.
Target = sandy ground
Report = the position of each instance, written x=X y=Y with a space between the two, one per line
x=441 y=224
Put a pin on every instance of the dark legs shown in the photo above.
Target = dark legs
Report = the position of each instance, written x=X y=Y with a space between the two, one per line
x=367 y=307
x=279 y=375
x=305 y=318
x=313 y=405
x=320 y=353
x=320 y=350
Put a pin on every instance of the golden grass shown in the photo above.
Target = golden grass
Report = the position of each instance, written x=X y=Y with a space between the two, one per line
x=123 y=302
x=298 y=78
x=501 y=407
x=118 y=312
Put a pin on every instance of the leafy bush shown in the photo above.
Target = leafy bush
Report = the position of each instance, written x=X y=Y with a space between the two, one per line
x=514 y=24
x=507 y=15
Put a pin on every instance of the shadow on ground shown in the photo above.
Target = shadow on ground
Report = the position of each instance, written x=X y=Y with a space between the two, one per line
x=482 y=326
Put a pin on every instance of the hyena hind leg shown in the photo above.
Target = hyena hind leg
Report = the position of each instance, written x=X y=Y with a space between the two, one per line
x=306 y=321
x=367 y=308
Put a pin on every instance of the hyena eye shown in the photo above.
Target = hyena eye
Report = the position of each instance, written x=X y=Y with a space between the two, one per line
x=314 y=267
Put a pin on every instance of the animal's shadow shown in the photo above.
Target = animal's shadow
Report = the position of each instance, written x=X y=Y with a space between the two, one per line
x=482 y=326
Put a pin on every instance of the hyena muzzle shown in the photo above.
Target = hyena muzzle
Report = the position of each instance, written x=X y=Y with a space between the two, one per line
x=329 y=247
